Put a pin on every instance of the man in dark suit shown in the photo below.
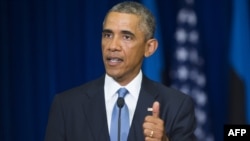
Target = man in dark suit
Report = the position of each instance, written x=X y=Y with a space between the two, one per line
x=156 y=112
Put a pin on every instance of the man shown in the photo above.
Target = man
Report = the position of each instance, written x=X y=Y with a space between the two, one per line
x=156 y=113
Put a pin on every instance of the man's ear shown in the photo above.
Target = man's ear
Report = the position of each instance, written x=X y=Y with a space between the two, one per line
x=151 y=47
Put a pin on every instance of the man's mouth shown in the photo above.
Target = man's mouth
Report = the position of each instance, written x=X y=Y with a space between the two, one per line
x=114 y=60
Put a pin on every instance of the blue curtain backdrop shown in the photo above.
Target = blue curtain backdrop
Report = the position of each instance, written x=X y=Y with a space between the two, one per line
x=47 y=46
x=240 y=47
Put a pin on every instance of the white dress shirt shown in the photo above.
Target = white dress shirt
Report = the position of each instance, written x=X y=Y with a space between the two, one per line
x=110 y=92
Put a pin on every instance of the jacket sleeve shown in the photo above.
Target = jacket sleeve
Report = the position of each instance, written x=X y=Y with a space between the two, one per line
x=184 y=122
x=55 y=127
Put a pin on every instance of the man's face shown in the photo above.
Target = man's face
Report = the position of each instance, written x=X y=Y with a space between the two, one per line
x=123 y=46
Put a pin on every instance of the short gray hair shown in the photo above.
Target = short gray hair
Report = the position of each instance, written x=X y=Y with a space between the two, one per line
x=147 y=20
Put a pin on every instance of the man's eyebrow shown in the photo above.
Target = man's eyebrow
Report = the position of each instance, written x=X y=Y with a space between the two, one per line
x=123 y=32
x=127 y=32
x=107 y=31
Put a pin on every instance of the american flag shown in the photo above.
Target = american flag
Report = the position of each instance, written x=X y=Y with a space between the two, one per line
x=187 y=67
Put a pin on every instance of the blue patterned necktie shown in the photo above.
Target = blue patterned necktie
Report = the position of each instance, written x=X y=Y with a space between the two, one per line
x=124 y=124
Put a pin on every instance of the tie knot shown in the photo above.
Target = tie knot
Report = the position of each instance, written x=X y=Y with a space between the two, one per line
x=122 y=92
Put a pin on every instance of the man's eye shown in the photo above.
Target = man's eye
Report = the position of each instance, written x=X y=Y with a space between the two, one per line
x=107 y=35
x=127 y=37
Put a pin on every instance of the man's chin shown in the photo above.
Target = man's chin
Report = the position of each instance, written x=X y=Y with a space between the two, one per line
x=113 y=74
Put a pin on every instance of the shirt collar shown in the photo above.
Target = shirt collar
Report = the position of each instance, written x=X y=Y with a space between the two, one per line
x=111 y=86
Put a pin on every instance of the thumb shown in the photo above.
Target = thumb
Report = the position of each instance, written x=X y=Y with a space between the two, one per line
x=156 y=109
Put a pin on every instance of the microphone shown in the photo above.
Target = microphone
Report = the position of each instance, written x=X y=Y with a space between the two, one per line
x=120 y=103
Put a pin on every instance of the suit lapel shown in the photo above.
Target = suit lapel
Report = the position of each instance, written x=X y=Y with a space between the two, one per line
x=146 y=98
x=95 y=112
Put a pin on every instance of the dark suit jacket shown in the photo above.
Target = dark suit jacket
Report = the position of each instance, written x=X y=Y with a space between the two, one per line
x=79 y=114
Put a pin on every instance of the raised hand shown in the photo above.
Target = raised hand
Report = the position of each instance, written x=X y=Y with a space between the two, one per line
x=153 y=125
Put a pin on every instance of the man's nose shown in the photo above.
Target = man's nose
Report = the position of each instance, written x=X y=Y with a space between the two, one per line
x=114 y=44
